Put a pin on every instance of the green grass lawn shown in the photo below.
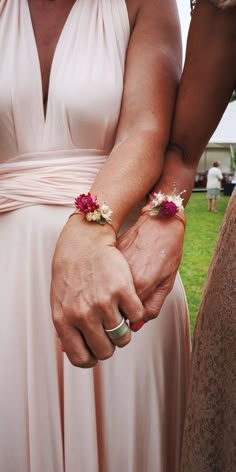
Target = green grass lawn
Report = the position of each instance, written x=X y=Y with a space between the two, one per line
x=201 y=235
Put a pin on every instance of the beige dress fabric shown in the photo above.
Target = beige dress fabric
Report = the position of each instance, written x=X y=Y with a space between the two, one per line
x=210 y=428
x=209 y=443
x=127 y=413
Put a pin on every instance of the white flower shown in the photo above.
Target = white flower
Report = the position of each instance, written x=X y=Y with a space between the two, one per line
x=158 y=199
x=94 y=216
x=176 y=199
x=106 y=212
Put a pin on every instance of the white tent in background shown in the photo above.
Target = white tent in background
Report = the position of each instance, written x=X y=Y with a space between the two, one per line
x=226 y=130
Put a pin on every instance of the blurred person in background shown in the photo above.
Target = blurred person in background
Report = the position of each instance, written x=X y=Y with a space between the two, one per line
x=214 y=178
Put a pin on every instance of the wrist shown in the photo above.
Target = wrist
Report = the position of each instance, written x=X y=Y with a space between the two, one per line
x=151 y=222
x=93 y=212
x=91 y=229
x=107 y=226
x=166 y=206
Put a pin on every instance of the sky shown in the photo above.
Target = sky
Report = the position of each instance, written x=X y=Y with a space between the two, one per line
x=226 y=130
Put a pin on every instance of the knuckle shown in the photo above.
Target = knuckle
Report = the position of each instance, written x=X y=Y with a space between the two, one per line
x=103 y=302
x=151 y=314
x=58 y=323
x=137 y=318
x=123 y=286
x=141 y=281
x=106 y=355
x=88 y=365
x=83 y=361
x=123 y=341
x=84 y=318
x=62 y=316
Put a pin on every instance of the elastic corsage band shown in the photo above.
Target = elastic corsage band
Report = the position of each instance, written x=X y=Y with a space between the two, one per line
x=165 y=205
x=87 y=205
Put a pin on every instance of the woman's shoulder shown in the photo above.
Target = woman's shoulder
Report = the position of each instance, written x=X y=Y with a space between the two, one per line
x=223 y=4
x=150 y=8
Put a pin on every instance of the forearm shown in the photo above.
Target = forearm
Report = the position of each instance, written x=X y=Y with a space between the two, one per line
x=207 y=82
x=152 y=73
x=130 y=172
x=136 y=162
x=177 y=176
x=205 y=88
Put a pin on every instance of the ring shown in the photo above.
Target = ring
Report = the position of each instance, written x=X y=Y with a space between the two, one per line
x=119 y=331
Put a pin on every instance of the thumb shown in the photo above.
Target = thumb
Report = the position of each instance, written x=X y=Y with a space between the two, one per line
x=131 y=306
x=154 y=302
x=152 y=307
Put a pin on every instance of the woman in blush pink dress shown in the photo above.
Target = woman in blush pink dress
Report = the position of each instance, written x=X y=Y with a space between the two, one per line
x=87 y=90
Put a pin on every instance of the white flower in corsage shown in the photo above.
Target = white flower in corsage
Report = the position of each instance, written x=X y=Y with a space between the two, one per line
x=106 y=212
x=87 y=205
x=165 y=205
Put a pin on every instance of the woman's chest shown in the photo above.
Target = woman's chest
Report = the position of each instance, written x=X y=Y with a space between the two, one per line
x=48 y=20
x=63 y=83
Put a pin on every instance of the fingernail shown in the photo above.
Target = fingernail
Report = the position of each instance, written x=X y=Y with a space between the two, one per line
x=136 y=326
x=62 y=348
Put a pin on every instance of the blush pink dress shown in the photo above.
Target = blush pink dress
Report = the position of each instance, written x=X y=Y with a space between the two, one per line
x=127 y=413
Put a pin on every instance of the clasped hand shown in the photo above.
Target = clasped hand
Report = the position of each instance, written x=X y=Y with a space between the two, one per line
x=153 y=248
x=91 y=282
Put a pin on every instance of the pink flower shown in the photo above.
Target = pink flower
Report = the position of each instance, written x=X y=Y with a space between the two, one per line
x=86 y=203
x=168 y=209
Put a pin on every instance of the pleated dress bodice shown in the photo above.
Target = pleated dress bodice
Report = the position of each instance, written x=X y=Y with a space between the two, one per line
x=84 y=96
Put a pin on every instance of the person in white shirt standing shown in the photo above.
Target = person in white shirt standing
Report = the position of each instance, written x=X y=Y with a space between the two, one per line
x=214 y=178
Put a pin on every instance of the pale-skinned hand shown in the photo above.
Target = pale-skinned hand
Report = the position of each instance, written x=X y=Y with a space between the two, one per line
x=153 y=248
x=91 y=281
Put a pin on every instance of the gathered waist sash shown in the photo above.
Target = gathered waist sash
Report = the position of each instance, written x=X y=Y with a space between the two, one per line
x=51 y=178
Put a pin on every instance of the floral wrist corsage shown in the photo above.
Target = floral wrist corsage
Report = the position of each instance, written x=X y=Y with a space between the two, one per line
x=165 y=205
x=87 y=205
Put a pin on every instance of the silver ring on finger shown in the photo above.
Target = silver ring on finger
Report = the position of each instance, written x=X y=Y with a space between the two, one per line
x=118 y=331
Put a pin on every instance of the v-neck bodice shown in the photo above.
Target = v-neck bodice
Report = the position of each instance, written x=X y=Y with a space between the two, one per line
x=45 y=160
x=35 y=39
x=86 y=79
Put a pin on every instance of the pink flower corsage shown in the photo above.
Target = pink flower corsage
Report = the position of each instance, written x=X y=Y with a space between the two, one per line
x=88 y=205
x=165 y=205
